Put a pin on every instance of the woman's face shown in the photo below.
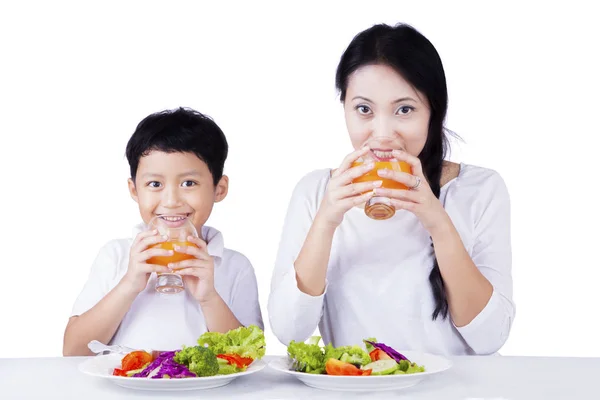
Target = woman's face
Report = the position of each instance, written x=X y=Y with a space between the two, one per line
x=381 y=104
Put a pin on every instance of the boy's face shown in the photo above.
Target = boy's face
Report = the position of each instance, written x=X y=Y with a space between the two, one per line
x=176 y=184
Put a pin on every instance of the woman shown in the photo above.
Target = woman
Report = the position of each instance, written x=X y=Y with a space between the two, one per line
x=436 y=276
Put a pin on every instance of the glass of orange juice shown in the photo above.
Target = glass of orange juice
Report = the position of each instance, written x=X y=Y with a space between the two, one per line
x=379 y=207
x=176 y=229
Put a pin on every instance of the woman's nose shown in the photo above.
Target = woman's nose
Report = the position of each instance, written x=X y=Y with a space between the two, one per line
x=383 y=127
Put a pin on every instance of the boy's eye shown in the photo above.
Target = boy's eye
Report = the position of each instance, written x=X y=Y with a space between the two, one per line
x=153 y=184
x=188 y=183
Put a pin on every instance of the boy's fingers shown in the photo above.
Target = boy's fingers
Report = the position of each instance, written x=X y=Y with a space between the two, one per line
x=194 y=263
x=150 y=240
x=200 y=254
x=198 y=272
x=143 y=235
x=198 y=242
x=149 y=253
x=148 y=268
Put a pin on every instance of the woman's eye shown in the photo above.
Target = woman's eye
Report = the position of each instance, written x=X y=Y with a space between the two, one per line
x=362 y=109
x=153 y=184
x=405 y=110
x=188 y=183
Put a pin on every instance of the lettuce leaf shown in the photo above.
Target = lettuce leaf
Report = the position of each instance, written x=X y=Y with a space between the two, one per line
x=243 y=341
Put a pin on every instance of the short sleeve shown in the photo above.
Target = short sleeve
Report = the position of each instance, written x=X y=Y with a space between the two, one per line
x=101 y=277
x=245 y=304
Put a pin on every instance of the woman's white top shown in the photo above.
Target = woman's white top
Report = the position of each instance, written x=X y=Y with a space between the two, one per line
x=378 y=273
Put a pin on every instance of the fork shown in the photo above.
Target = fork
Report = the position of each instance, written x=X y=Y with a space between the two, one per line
x=98 y=347
x=296 y=365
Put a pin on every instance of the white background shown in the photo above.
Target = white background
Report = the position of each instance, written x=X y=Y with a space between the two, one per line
x=75 y=80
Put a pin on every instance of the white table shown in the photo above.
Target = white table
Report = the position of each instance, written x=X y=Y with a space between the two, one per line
x=470 y=378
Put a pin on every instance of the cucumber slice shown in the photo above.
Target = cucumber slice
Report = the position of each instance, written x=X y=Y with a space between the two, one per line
x=382 y=367
x=346 y=358
x=222 y=361
x=355 y=359
x=135 y=371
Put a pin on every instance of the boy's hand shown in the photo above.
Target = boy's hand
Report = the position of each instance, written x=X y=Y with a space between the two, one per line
x=198 y=273
x=138 y=271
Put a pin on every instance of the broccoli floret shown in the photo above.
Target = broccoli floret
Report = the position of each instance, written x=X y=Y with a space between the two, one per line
x=351 y=354
x=356 y=359
x=200 y=360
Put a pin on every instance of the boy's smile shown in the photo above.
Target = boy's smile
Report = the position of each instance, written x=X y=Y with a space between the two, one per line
x=175 y=186
x=174 y=221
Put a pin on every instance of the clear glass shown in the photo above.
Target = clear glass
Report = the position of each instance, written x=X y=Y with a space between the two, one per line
x=379 y=207
x=177 y=229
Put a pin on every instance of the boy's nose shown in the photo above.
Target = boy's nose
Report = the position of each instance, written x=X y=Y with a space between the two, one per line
x=171 y=198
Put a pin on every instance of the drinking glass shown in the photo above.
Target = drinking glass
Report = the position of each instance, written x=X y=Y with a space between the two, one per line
x=379 y=207
x=176 y=229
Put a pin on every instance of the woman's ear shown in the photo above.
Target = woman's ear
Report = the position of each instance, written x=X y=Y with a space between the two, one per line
x=222 y=188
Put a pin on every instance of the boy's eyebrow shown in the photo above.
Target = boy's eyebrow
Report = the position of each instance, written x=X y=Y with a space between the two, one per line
x=188 y=173
x=151 y=175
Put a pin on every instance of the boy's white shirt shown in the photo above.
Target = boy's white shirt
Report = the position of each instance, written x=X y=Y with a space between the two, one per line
x=168 y=321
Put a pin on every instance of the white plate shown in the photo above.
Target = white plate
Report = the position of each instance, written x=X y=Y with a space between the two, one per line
x=102 y=367
x=433 y=365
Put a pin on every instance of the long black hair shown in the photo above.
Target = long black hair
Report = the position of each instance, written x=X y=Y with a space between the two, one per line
x=412 y=55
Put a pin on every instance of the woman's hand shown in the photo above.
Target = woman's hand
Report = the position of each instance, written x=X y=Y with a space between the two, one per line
x=419 y=198
x=341 y=194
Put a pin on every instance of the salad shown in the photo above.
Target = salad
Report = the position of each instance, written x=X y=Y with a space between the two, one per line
x=216 y=354
x=374 y=359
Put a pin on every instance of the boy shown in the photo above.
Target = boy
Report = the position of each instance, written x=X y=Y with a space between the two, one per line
x=176 y=160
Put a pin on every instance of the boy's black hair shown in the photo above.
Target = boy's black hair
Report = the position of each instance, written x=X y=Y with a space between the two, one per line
x=180 y=130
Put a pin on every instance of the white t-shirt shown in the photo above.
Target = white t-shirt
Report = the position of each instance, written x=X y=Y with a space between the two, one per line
x=168 y=321
x=378 y=272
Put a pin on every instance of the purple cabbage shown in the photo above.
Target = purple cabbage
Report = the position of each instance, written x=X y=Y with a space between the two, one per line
x=388 y=350
x=168 y=366
x=146 y=371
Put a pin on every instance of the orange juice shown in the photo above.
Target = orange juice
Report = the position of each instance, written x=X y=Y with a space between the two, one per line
x=385 y=183
x=176 y=257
